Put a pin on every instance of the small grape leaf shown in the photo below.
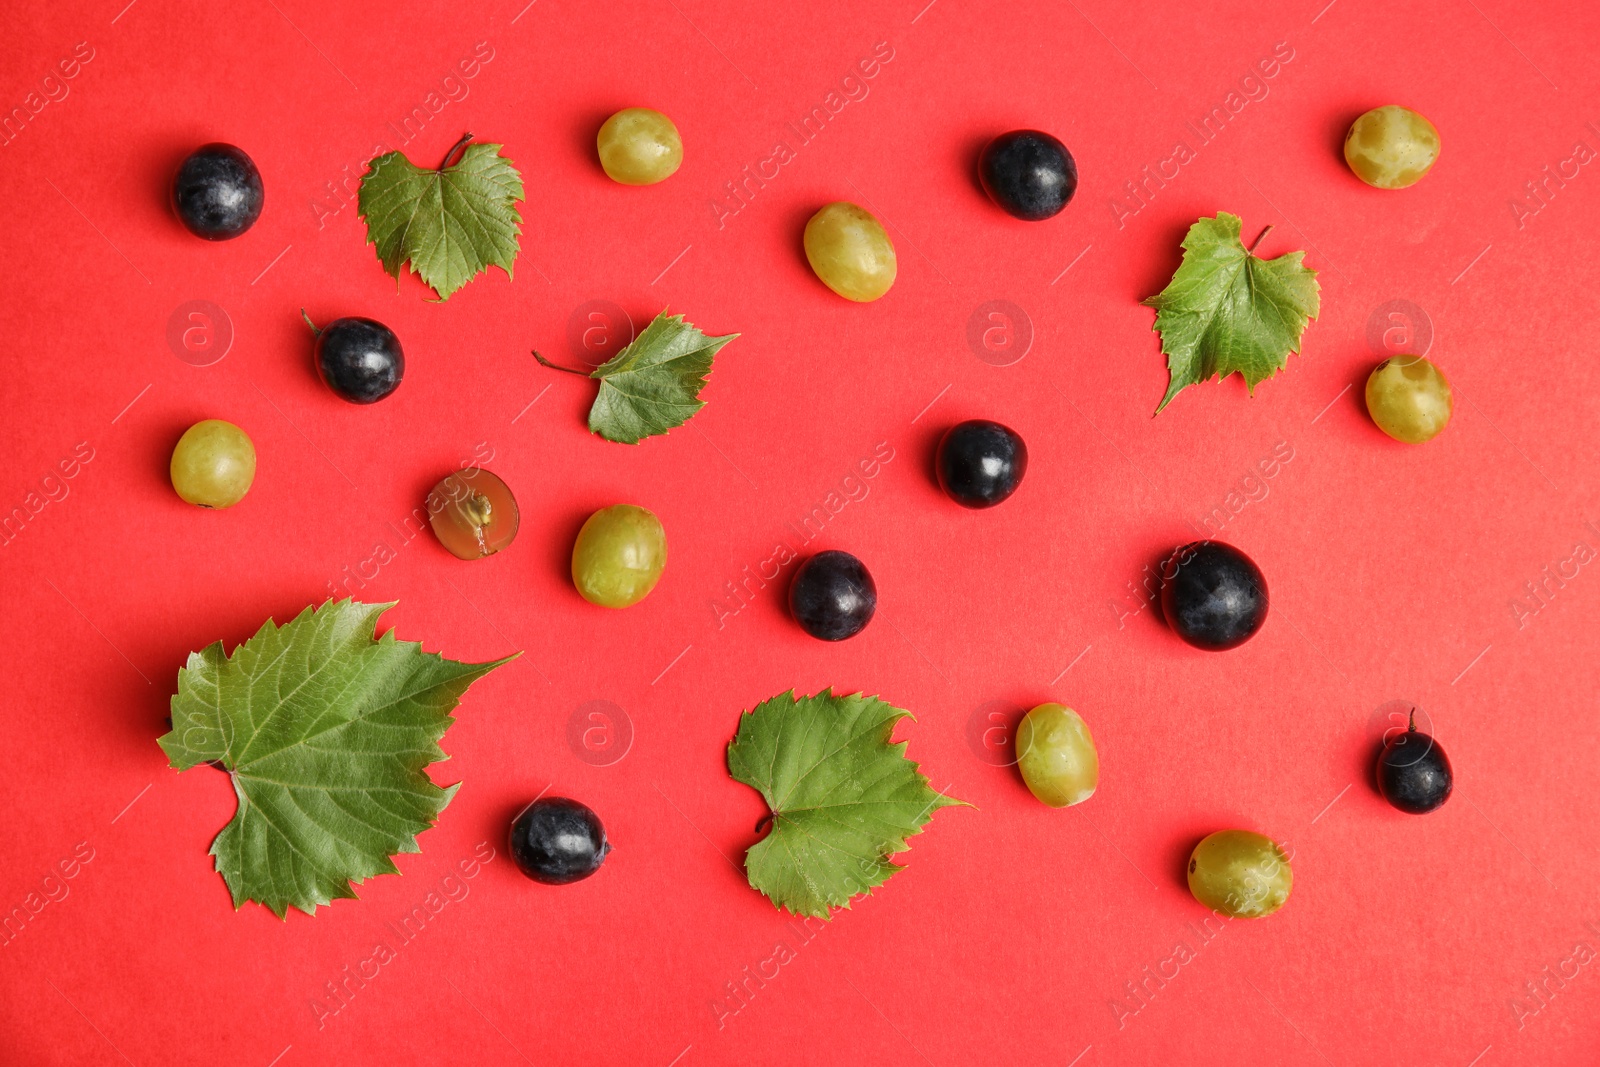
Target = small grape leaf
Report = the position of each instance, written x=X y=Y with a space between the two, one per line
x=843 y=798
x=451 y=222
x=1226 y=310
x=327 y=733
x=653 y=385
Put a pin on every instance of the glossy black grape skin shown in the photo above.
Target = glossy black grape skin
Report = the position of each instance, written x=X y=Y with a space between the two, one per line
x=1030 y=174
x=360 y=359
x=833 y=597
x=981 y=463
x=1413 y=773
x=1213 y=595
x=217 y=192
x=556 y=841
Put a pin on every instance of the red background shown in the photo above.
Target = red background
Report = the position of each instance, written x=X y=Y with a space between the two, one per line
x=1014 y=927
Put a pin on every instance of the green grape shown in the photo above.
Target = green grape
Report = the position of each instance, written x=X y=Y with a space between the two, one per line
x=1409 y=398
x=850 y=252
x=1391 y=147
x=639 y=146
x=213 y=464
x=619 y=556
x=473 y=513
x=1056 y=756
x=1239 y=873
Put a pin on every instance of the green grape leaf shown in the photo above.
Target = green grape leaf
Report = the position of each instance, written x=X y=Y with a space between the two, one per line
x=843 y=798
x=452 y=222
x=327 y=733
x=653 y=385
x=1226 y=310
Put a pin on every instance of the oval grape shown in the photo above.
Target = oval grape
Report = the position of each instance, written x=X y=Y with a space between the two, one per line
x=850 y=252
x=1409 y=399
x=639 y=146
x=619 y=556
x=1029 y=174
x=1056 y=756
x=1391 y=147
x=1240 y=873
x=558 y=841
x=214 y=464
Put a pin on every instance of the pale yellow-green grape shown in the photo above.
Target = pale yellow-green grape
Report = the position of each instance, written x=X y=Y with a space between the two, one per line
x=473 y=513
x=619 y=556
x=1391 y=147
x=639 y=146
x=1056 y=756
x=213 y=464
x=850 y=252
x=1409 y=398
x=1239 y=873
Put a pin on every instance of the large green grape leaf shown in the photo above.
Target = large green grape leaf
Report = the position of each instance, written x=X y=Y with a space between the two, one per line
x=1226 y=310
x=653 y=385
x=843 y=798
x=451 y=222
x=327 y=734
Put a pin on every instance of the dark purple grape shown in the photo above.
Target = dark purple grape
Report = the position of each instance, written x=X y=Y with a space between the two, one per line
x=1030 y=174
x=555 y=841
x=1413 y=773
x=217 y=192
x=1212 y=595
x=981 y=463
x=360 y=359
x=833 y=597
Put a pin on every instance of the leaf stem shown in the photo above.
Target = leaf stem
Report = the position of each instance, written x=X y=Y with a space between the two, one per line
x=460 y=145
x=557 y=366
x=315 y=329
x=766 y=820
x=1259 y=238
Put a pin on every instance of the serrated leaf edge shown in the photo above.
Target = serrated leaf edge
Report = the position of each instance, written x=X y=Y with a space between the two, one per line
x=511 y=216
x=1295 y=258
x=923 y=818
x=608 y=370
x=269 y=627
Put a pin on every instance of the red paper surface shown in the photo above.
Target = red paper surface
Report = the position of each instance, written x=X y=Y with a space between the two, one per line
x=1016 y=934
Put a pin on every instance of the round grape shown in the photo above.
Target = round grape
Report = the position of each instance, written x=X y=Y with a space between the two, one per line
x=473 y=513
x=1413 y=772
x=619 y=556
x=1409 y=398
x=981 y=463
x=1391 y=147
x=639 y=146
x=360 y=359
x=1056 y=756
x=1240 y=873
x=1029 y=174
x=217 y=192
x=213 y=464
x=849 y=250
x=558 y=841
x=1212 y=595
x=833 y=596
